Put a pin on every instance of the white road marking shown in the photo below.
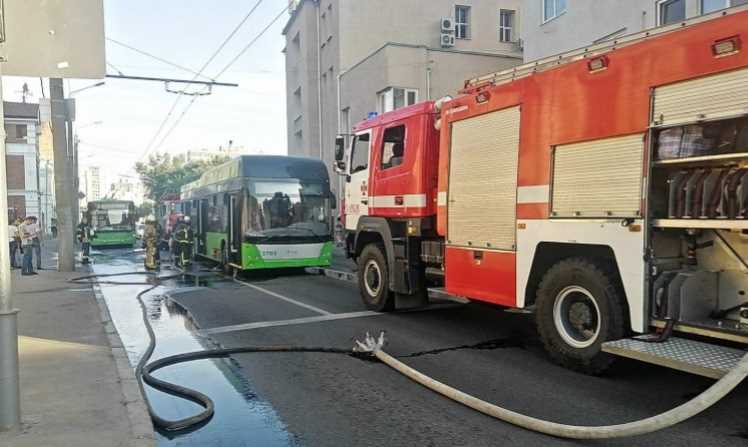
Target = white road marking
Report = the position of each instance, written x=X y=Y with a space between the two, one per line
x=285 y=298
x=291 y=322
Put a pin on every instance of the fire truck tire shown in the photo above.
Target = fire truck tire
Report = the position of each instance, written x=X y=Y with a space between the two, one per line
x=579 y=307
x=373 y=279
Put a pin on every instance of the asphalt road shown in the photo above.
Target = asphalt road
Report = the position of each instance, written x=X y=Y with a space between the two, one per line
x=333 y=400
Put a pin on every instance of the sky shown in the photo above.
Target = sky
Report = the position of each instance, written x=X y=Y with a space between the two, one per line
x=117 y=121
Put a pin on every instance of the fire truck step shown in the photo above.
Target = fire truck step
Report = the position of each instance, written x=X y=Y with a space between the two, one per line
x=691 y=356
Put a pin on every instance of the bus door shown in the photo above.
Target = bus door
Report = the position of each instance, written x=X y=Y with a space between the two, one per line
x=234 y=242
x=202 y=226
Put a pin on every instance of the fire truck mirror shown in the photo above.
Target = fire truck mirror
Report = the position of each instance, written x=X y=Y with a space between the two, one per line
x=340 y=154
x=333 y=201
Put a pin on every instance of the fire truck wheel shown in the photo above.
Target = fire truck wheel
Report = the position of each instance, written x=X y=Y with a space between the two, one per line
x=579 y=307
x=373 y=279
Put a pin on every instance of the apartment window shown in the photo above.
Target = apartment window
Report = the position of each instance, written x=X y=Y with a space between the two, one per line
x=672 y=11
x=506 y=25
x=553 y=9
x=708 y=6
x=15 y=133
x=394 y=98
x=393 y=147
x=462 y=22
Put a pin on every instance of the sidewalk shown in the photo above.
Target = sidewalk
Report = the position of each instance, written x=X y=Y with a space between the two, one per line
x=77 y=388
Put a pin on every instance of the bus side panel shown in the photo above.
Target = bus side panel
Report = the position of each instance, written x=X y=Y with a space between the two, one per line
x=213 y=242
x=301 y=255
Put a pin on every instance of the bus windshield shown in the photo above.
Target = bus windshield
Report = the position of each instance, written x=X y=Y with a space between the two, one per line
x=287 y=208
x=111 y=216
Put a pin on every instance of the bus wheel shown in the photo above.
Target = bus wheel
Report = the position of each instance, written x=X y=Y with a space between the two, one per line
x=579 y=307
x=373 y=279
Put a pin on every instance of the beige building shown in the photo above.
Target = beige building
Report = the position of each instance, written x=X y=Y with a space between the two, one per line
x=347 y=59
x=555 y=26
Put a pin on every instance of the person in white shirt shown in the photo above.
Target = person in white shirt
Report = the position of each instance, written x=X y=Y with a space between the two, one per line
x=27 y=242
x=12 y=230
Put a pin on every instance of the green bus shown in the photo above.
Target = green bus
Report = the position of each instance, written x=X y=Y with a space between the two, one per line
x=261 y=212
x=112 y=223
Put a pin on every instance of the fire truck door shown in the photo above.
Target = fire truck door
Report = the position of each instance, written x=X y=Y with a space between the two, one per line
x=357 y=187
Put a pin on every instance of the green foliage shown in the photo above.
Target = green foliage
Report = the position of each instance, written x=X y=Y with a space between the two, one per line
x=145 y=209
x=165 y=174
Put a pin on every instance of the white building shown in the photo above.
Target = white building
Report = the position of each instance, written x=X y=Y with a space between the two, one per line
x=91 y=186
x=127 y=188
x=555 y=26
x=230 y=151
x=22 y=159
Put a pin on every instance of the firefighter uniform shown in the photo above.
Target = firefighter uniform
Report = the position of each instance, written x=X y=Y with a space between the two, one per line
x=183 y=237
x=151 y=237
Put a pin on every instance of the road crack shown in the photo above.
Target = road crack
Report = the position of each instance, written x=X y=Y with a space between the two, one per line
x=497 y=343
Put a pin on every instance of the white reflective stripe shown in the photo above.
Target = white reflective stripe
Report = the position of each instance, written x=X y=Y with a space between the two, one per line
x=533 y=194
x=408 y=200
x=441 y=198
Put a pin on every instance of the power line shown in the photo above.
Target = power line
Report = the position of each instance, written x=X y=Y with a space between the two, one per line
x=115 y=68
x=202 y=69
x=160 y=59
x=226 y=68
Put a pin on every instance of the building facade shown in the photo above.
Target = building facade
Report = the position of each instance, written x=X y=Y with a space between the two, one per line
x=127 y=188
x=22 y=159
x=347 y=59
x=92 y=186
x=555 y=26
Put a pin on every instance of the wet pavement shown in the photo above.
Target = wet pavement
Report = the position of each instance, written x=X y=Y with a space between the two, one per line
x=316 y=399
x=241 y=417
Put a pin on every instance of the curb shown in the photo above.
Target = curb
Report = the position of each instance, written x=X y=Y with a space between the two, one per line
x=137 y=410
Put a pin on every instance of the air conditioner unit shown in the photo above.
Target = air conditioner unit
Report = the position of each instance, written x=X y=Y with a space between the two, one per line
x=448 y=40
x=448 y=25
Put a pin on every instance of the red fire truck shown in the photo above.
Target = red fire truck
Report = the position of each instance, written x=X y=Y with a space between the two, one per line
x=606 y=189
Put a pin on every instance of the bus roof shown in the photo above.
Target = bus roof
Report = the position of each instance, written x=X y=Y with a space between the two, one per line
x=127 y=202
x=259 y=166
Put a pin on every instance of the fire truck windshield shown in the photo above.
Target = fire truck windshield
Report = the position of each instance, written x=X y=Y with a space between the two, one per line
x=286 y=209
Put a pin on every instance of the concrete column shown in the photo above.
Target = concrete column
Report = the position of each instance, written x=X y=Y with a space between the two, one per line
x=64 y=184
x=10 y=397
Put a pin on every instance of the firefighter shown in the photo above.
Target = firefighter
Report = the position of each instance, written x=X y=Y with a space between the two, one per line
x=151 y=238
x=183 y=236
x=84 y=237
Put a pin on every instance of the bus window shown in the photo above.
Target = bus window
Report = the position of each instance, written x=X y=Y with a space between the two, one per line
x=286 y=208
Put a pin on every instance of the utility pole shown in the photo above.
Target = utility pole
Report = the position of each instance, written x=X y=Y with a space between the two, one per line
x=10 y=395
x=64 y=182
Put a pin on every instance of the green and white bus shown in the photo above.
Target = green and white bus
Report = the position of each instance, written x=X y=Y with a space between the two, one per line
x=112 y=223
x=260 y=212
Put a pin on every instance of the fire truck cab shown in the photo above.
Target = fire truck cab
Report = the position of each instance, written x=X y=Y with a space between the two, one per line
x=606 y=189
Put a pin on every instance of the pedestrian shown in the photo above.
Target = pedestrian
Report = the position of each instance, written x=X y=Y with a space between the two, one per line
x=17 y=236
x=12 y=244
x=84 y=237
x=37 y=242
x=27 y=244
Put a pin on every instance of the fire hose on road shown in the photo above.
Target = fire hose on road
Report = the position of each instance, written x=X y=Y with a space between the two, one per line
x=372 y=347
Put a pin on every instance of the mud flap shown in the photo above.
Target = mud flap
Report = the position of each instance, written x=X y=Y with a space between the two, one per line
x=403 y=301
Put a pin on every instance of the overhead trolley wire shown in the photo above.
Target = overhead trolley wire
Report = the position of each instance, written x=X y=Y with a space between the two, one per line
x=198 y=74
x=220 y=73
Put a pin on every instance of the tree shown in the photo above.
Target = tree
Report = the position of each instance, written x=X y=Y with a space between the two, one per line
x=166 y=174
x=145 y=209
